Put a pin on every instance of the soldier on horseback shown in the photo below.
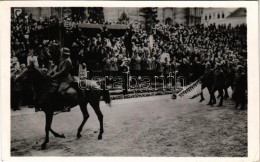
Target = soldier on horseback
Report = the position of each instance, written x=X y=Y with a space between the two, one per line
x=218 y=85
x=63 y=72
x=63 y=77
x=206 y=80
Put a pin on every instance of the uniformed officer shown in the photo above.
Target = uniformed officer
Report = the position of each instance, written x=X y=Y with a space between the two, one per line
x=64 y=78
x=63 y=74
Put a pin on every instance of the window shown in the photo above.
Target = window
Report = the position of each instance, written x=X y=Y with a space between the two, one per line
x=218 y=16
x=209 y=17
x=206 y=17
x=223 y=15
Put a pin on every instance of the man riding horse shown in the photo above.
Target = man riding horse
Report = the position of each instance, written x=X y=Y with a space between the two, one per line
x=63 y=77
x=66 y=94
x=207 y=80
x=218 y=85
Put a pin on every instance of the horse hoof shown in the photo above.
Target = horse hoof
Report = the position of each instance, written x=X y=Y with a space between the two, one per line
x=78 y=136
x=99 y=137
x=43 y=146
x=62 y=136
x=202 y=100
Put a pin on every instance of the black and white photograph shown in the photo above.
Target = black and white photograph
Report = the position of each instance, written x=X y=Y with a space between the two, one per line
x=129 y=81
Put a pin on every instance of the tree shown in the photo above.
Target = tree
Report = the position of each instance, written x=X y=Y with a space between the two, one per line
x=123 y=18
x=96 y=14
x=150 y=15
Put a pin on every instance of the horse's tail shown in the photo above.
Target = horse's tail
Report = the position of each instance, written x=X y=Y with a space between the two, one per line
x=105 y=94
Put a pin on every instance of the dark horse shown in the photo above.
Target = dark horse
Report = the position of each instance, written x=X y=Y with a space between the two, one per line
x=218 y=85
x=50 y=101
x=230 y=78
x=206 y=82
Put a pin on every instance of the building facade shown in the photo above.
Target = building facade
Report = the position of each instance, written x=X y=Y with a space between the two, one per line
x=170 y=15
x=185 y=16
x=224 y=16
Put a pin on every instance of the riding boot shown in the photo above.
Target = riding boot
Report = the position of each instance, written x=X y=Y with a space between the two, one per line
x=67 y=106
x=65 y=102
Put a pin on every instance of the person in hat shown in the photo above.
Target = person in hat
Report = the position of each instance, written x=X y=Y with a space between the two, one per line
x=63 y=76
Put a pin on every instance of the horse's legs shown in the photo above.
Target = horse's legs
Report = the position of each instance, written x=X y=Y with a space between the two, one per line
x=100 y=118
x=226 y=93
x=57 y=134
x=221 y=97
x=212 y=97
x=84 y=110
x=48 y=117
x=201 y=95
x=210 y=100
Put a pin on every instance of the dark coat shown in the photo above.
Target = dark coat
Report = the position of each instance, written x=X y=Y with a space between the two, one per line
x=64 y=74
x=219 y=79
x=208 y=79
x=239 y=93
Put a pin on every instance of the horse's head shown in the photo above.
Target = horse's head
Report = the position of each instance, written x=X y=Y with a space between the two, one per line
x=30 y=74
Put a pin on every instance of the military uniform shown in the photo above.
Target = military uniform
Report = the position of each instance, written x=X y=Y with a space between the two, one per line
x=63 y=76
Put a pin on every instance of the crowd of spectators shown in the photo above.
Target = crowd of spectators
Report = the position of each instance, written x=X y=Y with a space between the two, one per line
x=167 y=48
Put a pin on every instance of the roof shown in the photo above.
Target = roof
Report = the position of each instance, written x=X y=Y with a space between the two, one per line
x=240 y=12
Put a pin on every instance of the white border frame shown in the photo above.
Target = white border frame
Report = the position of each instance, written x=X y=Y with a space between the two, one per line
x=253 y=73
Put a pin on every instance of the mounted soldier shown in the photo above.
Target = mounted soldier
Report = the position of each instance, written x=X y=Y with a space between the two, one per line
x=218 y=85
x=230 y=77
x=51 y=101
x=63 y=76
x=207 y=80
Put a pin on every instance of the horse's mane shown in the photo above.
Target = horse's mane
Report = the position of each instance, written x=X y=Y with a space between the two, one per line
x=42 y=80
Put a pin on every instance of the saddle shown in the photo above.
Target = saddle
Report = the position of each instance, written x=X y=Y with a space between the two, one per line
x=80 y=85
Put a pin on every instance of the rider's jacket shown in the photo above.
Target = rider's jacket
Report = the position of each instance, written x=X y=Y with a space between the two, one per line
x=63 y=74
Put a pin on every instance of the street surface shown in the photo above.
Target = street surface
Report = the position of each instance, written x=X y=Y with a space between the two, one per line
x=148 y=126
